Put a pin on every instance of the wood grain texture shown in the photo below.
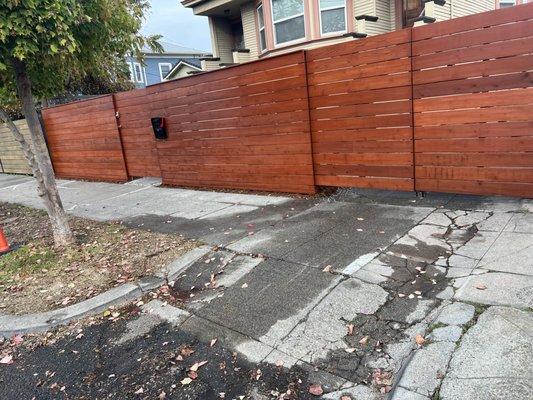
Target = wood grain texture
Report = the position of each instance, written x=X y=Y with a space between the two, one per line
x=361 y=112
x=473 y=103
x=244 y=127
x=84 y=142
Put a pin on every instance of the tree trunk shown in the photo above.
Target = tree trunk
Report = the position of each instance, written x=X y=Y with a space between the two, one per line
x=37 y=154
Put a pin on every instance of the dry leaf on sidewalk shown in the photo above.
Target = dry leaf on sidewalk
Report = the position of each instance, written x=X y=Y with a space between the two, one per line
x=420 y=340
x=480 y=286
x=316 y=390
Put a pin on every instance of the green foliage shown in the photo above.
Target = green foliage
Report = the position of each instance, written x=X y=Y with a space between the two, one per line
x=65 y=41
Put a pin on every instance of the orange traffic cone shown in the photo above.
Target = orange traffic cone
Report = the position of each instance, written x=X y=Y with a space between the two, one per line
x=4 y=246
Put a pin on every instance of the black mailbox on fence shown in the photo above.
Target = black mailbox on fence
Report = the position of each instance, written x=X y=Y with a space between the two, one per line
x=158 y=125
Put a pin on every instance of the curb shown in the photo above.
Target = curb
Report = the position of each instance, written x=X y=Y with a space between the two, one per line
x=29 y=323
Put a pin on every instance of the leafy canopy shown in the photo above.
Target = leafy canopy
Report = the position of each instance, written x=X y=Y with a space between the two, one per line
x=64 y=41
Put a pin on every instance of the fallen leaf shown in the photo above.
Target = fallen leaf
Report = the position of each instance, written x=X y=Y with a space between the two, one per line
x=162 y=396
x=244 y=285
x=350 y=329
x=279 y=363
x=346 y=398
x=213 y=341
x=186 y=351
x=349 y=350
x=139 y=391
x=192 y=374
x=186 y=381
x=17 y=339
x=364 y=340
x=7 y=359
x=316 y=390
x=197 y=365
x=481 y=286
x=327 y=268
x=419 y=339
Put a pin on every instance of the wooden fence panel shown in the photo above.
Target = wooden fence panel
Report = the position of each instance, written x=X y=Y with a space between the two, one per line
x=12 y=160
x=84 y=141
x=473 y=103
x=243 y=127
x=361 y=112
x=140 y=152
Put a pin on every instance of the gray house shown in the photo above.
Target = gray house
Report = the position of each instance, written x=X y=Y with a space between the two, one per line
x=158 y=65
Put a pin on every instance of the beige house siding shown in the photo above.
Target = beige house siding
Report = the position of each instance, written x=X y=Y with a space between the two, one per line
x=11 y=156
x=221 y=38
x=460 y=8
x=383 y=9
x=184 y=72
x=249 y=29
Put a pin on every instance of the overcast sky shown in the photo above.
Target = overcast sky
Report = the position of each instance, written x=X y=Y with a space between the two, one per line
x=177 y=24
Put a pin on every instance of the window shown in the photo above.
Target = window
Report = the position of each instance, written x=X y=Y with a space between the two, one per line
x=507 y=3
x=164 y=69
x=261 y=23
x=138 y=72
x=132 y=77
x=288 y=20
x=332 y=16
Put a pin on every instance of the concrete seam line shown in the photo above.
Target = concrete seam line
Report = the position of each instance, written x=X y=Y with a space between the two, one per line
x=38 y=322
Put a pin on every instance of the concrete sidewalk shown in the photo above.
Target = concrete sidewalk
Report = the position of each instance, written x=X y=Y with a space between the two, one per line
x=297 y=272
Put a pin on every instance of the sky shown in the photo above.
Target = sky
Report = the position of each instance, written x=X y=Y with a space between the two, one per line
x=177 y=24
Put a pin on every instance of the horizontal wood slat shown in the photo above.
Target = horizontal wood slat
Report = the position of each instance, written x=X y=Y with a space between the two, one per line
x=84 y=141
x=246 y=127
x=442 y=107
x=473 y=102
x=361 y=112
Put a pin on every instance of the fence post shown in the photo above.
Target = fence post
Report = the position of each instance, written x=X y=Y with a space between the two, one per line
x=412 y=107
x=119 y=130
x=309 y=125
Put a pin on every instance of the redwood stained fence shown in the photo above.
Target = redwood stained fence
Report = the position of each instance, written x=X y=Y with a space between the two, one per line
x=135 y=127
x=473 y=103
x=245 y=127
x=84 y=141
x=361 y=112
x=445 y=107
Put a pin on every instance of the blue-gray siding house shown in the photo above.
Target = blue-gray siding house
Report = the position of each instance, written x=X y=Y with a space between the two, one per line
x=158 y=65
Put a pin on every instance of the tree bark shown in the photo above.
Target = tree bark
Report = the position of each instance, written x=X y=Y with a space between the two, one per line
x=37 y=155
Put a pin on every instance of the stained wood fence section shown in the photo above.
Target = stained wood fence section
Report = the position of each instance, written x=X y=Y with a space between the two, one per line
x=361 y=121
x=473 y=103
x=135 y=128
x=245 y=127
x=445 y=107
x=12 y=160
x=84 y=142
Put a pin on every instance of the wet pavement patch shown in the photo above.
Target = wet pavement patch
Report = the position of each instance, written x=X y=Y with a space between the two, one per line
x=94 y=367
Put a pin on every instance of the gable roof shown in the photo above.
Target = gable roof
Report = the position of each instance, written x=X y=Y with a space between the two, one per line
x=174 y=48
x=193 y=63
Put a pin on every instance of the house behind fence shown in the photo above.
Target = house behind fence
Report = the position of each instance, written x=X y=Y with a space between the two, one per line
x=442 y=107
x=12 y=159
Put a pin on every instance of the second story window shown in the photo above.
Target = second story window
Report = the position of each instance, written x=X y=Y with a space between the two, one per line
x=261 y=23
x=164 y=69
x=507 y=3
x=138 y=72
x=332 y=16
x=288 y=20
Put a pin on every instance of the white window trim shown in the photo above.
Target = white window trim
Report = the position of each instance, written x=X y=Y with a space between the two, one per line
x=132 y=72
x=333 y=8
x=276 y=44
x=135 y=64
x=260 y=6
x=169 y=65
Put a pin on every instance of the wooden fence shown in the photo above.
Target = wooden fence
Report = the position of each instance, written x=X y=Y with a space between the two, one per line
x=12 y=159
x=443 y=107
x=84 y=141
x=473 y=103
